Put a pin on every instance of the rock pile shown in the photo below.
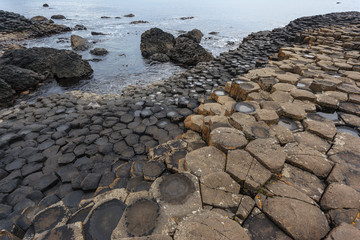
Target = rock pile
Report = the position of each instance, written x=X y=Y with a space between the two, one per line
x=23 y=69
x=185 y=49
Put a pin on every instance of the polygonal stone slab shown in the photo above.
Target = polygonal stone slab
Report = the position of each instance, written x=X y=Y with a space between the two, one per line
x=268 y=152
x=338 y=196
x=345 y=174
x=303 y=181
x=54 y=216
x=105 y=214
x=246 y=206
x=257 y=130
x=282 y=134
x=143 y=217
x=344 y=232
x=239 y=120
x=293 y=111
x=194 y=122
x=70 y=231
x=205 y=160
x=209 y=225
x=220 y=190
x=211 y=109
x=178 y=194
x=227 y=139
x=308 y=159
x=299 y=219
x=268 y=116
x=313 y=141
x=246 y=170
x=259 y=226
x=345 y=143
x=320 y=126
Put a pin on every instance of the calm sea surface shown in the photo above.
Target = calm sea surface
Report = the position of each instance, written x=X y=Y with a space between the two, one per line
x=233 y=19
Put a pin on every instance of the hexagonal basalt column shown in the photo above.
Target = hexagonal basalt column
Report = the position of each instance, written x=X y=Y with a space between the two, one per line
x=178 y=194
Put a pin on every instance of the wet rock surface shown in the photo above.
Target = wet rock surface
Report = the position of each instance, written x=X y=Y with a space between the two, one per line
x=93 y=159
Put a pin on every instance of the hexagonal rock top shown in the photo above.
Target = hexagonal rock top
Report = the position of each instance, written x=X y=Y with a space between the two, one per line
x=268 y=152
x=208 y=225
x=339 y=196
x=320 y=126
x=300 y=220
x=344 y=232
x=178 y=194
x=227 y=139
x=205 y=160
x=247 y=170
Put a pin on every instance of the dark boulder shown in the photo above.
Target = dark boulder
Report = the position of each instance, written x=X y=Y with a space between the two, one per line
x=63 y=65
x=20 y=79
x=6 y=94
x=139 y=22
x=99 y=51
x=188 y=52
x=194 y=34
x=39 y=19
x=58 y=16
x=156 y=40
x=78 y=43
x=97 y=33
x=45 y=5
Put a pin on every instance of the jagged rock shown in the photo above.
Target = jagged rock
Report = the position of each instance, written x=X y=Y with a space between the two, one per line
x=194 y=35
x=20 y=79
x=64 y=65
x=78 y=43
x=160 y=57
x=188 y=52
x=70 y=231
x=156 y=41
x=6 y=94
x=320 y=126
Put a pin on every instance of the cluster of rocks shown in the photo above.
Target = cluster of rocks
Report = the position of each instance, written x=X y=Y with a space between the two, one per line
x=83 y=165
x=15 y=27
x=24 y=69
x=163 y=47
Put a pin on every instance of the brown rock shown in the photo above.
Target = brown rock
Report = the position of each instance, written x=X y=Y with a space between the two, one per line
x=246 y=170
x=239 y=120
x=211 y=109
x=268 y=116
x=227 y=139
x=282 y=134
x=320 y=126
x=299 y=219
x=194 y=122
x=246 y=206
x=303 y=181
x=205 y=160
x=208 y=225
x=350 y=119
x=344 y=232
x=339 y=196
x=345 y=142
x=303 y=95
x=281 y=97
x=327 y=101
x=268 y=152
x=313 y=141
x=293 y=111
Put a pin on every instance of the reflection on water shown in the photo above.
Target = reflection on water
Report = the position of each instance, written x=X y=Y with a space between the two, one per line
x=232 y=19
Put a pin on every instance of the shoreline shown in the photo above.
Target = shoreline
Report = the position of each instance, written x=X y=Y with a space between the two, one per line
x=75 y=146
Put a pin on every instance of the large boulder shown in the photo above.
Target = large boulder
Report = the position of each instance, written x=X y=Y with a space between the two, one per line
x=156 y=40
x=63 y=65
x=188 y=52
x=6 y=94
x=20 y=79
x=78 y=43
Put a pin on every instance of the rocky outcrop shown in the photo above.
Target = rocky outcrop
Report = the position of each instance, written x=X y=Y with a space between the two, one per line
x=185 y=49
x=188 y=52
x=154 y=41
x=63 y=65
x=99 y=51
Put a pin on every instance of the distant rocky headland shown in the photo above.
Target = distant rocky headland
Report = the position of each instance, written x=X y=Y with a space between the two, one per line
x=258 y=143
